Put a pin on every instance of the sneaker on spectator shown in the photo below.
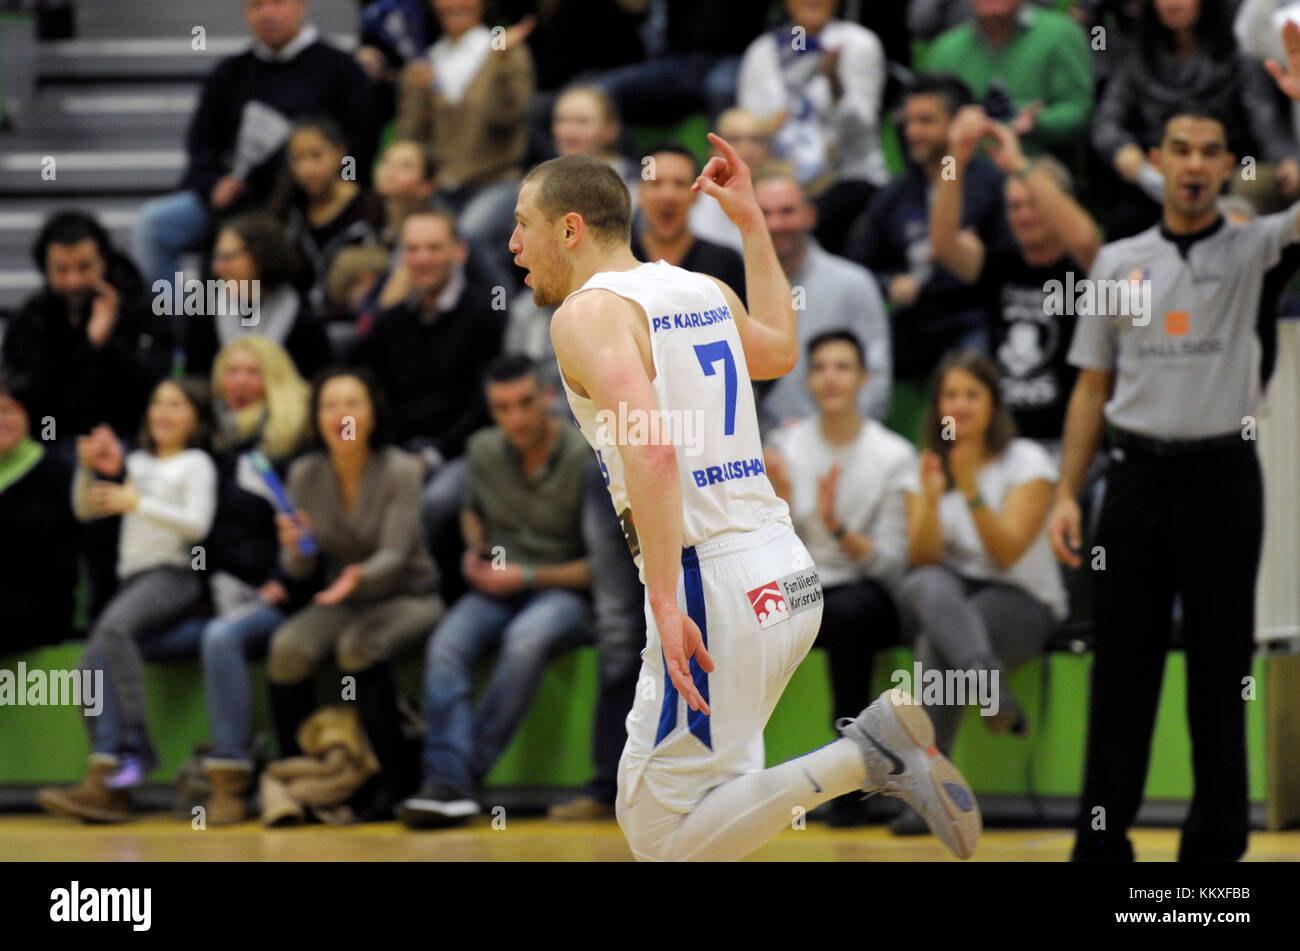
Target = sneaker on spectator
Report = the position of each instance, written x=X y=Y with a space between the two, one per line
x=437 y=805
x=130 y=773
x=582 y=809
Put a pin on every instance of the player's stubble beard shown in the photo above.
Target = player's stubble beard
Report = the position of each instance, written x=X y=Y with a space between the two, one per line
x=552 y=279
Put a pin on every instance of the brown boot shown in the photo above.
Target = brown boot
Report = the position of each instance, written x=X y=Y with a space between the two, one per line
x=229 y=780
x=89 y=800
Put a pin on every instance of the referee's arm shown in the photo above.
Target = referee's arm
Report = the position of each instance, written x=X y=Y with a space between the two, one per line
x=1083 y=423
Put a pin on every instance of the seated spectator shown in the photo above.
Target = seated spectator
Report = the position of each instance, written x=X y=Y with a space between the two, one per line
x=585 y=122
x=984 y=594
x=827 y=89
x=926 y=19
x=237 y=135
x=38 y=559
x=87 y=343
x=934 y=310
x=325 y=210
x=89 y=350
x=845 y=477
x=259 y=403
x=1025 y=283
x=405 y=179
x=469 y=101
x=751 y=138
x=167 y=504
x=431 y=351
x=1187 y=50
x=526 y=563
x=1029 y=67
x=355 y=282
x=693 y=50
x=253 y=247
x=358 y=498
x=663 y=233
x=393 y=33
x=830 y=293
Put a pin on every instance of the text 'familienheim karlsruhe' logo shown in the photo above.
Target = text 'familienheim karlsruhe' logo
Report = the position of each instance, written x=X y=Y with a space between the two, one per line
x=1103 y=297
x=783 y=598
x=53 y=688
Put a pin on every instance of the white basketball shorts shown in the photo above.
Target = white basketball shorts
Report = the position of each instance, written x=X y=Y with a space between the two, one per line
x=758 y=602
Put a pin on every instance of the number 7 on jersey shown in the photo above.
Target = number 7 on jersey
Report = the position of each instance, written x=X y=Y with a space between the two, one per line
x=709 y=354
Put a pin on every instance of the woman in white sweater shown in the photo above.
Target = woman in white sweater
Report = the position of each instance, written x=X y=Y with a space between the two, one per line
x=166 y=502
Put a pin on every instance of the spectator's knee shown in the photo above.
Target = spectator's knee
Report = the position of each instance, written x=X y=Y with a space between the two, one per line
x=287 y=665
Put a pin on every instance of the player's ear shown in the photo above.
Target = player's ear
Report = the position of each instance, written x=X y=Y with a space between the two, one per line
x=572 y=229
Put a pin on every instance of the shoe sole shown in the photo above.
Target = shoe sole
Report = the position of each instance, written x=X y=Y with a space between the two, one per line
x=53 y=802
x=931 y=784
x=428 y=814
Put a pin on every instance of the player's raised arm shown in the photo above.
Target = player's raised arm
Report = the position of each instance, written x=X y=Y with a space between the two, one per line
x=1288 y=79
x=767 y=330
x=595 y=349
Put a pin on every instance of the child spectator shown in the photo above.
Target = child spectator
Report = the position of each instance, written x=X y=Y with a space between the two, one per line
x=324 y=208
x=167 y=504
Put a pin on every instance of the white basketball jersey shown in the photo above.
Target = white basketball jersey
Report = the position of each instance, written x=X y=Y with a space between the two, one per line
x=706 y=408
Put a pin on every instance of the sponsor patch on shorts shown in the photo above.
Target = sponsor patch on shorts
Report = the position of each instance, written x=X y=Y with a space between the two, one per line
x=779 y=600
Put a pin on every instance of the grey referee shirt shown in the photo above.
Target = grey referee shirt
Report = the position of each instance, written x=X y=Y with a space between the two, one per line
x=1186 y=364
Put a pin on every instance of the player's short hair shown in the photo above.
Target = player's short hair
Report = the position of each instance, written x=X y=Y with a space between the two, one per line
x=508 y=368
x=838 y=335
x=951 y=91
x=673 y=147
x=586 y=186
x=1194 y=109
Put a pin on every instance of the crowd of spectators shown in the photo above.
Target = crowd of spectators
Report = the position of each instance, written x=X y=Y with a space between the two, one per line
x=394 y=373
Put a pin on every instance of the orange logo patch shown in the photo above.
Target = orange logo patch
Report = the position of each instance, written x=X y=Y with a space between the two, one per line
x=1177 y=322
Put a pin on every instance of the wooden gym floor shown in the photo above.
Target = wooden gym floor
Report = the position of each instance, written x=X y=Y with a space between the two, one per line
x=29 y=837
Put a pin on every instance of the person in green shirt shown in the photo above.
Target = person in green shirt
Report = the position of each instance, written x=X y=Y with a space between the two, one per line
x=1031 y=68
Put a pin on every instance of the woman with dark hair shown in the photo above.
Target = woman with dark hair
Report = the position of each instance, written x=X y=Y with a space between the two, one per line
x=984 y=593
x=167 y=502
x=358 y=501
x=38 y=559
x=252 y=247
x=1185 y=49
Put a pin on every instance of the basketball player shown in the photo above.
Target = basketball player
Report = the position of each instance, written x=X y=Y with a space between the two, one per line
x=733 y=602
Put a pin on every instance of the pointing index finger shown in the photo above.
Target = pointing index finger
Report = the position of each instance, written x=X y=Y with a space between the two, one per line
x=733 y=159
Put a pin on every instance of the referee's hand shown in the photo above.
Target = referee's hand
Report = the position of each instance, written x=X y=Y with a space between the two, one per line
x=1063 y=531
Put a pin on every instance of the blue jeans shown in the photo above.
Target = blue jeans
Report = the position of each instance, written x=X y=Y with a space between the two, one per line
x=168 y=227
x=223 y=645
x=462 y=744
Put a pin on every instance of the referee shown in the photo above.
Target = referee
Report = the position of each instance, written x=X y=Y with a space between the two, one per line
x=1183 y=509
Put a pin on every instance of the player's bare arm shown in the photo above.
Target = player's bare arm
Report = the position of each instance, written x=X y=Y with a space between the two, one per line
x=595 y=335
x=768 y=331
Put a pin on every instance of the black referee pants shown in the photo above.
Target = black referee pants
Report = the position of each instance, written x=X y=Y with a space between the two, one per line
x=1190 y=524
